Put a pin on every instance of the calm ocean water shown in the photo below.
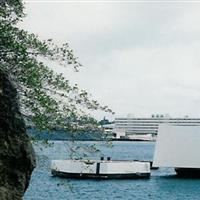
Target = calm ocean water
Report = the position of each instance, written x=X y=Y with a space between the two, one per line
x=162 y=184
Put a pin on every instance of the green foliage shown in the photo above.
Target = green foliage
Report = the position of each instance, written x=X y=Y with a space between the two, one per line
x=47 y=98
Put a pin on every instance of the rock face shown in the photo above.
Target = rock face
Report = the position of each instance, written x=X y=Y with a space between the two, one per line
x=17 y=158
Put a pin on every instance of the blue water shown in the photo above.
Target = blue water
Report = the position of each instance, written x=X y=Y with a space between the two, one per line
x=162 y=184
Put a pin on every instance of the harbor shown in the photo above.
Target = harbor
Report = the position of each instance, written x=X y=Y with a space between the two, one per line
x=185 y=161
x=163 y=183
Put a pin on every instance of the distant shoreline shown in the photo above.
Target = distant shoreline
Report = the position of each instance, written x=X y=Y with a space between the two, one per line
x=60 y=135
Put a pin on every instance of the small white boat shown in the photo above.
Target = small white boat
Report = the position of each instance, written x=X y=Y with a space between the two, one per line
x=100 y=169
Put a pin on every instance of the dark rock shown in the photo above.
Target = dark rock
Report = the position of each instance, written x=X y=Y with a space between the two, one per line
x=17 y=158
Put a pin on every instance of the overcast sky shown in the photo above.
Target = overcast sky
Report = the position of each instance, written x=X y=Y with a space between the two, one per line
x=139 y=58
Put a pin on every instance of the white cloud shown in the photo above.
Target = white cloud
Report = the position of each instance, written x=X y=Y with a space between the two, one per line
x=139 y=58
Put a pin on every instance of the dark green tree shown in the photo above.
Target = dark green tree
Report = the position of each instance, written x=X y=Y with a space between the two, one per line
x=46 y=98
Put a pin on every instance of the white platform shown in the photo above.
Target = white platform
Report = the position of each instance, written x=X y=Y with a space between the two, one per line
x=98 y=168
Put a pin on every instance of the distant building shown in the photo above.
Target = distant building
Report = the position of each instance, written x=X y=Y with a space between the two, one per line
x=146 y=128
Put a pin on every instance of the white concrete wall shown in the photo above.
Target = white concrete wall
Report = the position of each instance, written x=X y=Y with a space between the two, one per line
x=177 y=146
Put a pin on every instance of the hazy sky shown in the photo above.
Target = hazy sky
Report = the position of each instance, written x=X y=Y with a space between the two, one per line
x=139 y=57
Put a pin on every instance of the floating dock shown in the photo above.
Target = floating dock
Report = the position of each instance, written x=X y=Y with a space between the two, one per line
x=100 y=169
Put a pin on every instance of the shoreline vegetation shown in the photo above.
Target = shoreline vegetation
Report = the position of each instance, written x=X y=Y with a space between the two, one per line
x=66 y=136
x=74 y=136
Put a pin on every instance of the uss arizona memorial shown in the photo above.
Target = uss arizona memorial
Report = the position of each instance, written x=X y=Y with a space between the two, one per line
x=144 y=128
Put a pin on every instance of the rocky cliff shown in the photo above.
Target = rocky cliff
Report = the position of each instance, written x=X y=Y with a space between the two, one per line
x=17 y=158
